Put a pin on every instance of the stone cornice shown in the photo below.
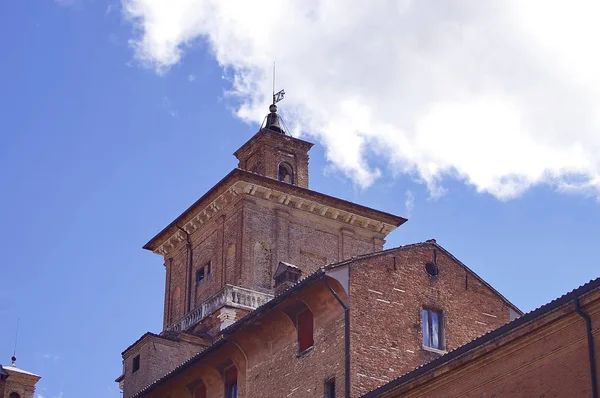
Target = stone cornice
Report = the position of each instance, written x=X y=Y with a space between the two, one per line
x=251 y=189
x=253 y=186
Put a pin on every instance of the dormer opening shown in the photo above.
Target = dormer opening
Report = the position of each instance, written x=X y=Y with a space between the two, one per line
x=286 y=173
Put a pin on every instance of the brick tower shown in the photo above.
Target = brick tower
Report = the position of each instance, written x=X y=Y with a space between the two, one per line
x=17 y=383
x=222 y=253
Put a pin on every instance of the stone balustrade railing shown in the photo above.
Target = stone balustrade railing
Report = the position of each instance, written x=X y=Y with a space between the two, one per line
x=231 y=296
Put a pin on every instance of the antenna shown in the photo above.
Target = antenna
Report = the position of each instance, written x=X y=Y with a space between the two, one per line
x=273 y=82
x=14 y=357
x=16 y=336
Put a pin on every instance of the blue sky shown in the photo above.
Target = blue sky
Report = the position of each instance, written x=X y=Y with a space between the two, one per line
x=103 y=145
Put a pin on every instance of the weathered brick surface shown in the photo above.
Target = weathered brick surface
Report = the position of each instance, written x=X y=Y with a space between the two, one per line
x=18 y=382
x=157 y=357
x=385 y=320
x=386 y=331
x=548 y=357
x=266 y=354
x=263 y=153
x=245 y=243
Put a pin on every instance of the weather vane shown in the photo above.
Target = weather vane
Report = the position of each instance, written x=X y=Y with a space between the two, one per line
x=277 y=96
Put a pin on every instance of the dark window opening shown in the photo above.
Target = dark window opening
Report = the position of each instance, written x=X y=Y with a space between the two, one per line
x=330 y=388
x=203 y=274
x=14 y=395
x=136 y=364
x=432 y=269
x=200 y=391
x=305 y=330
x=286 y=173
x=231 y=387
x=432 y=329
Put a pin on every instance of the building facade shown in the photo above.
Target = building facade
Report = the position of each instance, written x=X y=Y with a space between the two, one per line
x=17 y=383
x=274 y=290
x=553 y=351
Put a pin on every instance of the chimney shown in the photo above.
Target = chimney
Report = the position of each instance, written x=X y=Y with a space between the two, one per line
x=286 y=276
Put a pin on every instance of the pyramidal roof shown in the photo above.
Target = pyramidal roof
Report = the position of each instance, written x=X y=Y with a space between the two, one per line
x=13 y=369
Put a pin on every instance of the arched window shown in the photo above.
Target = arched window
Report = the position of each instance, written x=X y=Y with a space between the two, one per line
x=200 y=391
x=286 y=173
x=14 y=395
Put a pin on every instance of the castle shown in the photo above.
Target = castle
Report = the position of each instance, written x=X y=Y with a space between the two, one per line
x=275 y=290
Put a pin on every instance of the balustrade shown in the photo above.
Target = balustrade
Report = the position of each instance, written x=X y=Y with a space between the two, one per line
x=231 y=296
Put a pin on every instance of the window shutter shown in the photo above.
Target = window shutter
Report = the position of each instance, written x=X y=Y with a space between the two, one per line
x=305 y=330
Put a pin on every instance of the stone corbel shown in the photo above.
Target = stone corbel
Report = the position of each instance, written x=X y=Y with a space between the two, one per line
x=227 y=316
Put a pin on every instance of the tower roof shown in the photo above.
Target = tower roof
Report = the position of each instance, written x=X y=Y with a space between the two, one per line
x=321 y=203
x=13 y=370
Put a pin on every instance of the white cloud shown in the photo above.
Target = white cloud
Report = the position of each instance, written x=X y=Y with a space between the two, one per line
x=501 y=94
x=191 y=77
x=50 y=356
x=409 y=203
x=168 y=105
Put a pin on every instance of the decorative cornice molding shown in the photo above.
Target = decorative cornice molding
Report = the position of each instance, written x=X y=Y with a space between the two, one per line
x=283 y=198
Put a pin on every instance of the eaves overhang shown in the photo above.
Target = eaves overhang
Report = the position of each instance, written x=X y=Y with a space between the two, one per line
x=241 y=182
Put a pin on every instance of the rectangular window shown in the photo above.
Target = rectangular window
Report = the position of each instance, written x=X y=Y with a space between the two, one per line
x=200 y=276
x=136 y=364
x=203 y=274
x=330 y=388
x=231 y=387
x=305 y=330
x=432 y=329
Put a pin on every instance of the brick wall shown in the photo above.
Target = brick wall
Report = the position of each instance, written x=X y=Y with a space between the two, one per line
x=386 y=297
x=157 y=357
x=275 y=368
x=547 y=357
x=263 y=153
x=21 y=383
x=244 y=244
x=266 y=354
x=386 y=338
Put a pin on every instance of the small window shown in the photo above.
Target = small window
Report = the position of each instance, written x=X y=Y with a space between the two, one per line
x=203 y=274
x=231 y=387
x=200 y=391
x=286 y=173
x=432 y=329
x=14 y=395
x=432 y=269
x=305 y=330
x=330 y=388
x=136 y=364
